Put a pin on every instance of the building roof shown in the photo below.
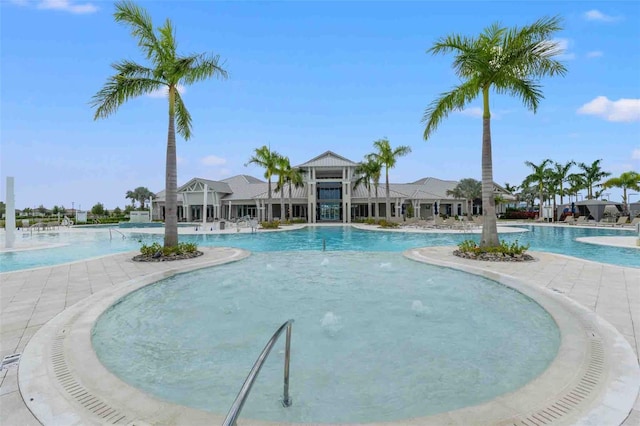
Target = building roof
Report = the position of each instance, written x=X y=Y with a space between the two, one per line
x=328 y=159
x=220 y=187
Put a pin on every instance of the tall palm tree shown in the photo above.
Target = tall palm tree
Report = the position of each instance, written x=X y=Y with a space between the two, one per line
x=388 y=157
x=592 y=174
x=282 y=164
x=561 y=172
x=512 y=189
x=291 y=177
x=508 y=61
x=538 y=178
x=368 y=171
x=167 y=71
x=295 y=178
x=468 y=189
x=627 y=180
x=268 y=160
x=576 y=183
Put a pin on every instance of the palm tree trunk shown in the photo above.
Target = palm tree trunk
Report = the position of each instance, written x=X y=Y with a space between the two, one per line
x=269 y=204
x=369 y=202
x=171 y=180
x=376 y=205
x=489 y=228
x=282 y=215
x=541 y=202
x=290 y=203
x=387 y=207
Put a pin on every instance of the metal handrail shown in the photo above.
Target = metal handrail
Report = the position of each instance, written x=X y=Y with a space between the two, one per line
x=237 y=405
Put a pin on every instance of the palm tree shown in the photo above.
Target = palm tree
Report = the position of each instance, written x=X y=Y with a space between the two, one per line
x=468 y=189
x=140 y=194
x=592 y=174
x=627 y=180
x=539 y=177
x=268 y=160
x=576 y=183
x=388 y=157
x=507 y=61
x=512 y=189
x=294 y=179
x=561 y=172
x=132 y=196
x=368 y=171
x=168 y=70
x=282 y=164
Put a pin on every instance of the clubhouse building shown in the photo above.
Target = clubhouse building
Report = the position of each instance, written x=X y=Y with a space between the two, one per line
x=328 y=194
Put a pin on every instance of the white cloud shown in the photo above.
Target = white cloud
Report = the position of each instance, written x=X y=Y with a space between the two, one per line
x=594 y=54
x=563 y=44
x=67 y=6
x=622 y=110
x=212 y=160
x=596 y=15
x=635 y=154
x=161 y=93
x=63 y=5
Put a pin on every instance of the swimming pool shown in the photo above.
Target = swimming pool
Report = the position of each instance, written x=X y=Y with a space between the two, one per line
x=377 y=337
x=84 y=245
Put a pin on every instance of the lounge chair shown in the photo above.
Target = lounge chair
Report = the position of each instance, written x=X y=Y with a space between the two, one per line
x=622 y=220
x=634 y=222
x=569 y=220
x=581 y=220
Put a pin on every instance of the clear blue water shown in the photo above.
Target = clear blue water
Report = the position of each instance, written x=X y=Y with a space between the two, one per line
x=85 y=245
x=376 y=337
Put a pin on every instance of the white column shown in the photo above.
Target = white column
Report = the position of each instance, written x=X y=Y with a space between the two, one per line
x=229 y=215
x=204 y=205
x=150 y=209
x=10 y=223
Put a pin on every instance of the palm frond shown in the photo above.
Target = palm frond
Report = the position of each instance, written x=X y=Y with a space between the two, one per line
x=132 y=69
x=201 y=67
x=167 y=42
x=117 y=91
x=448 y=102
x=528 y=91
x=140 y=24
x=183 y=118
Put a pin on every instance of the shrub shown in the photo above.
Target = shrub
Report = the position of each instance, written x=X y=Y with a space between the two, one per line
x=384 y=224
x=508 y=249
x=181 y=248
x=515 y=214
x=275 y=224
x=150 y=250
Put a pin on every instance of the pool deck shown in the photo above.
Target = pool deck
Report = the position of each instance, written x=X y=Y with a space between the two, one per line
x=31 y=298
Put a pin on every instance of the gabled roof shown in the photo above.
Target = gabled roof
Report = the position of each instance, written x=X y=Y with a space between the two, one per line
x=220 y=187
x=328 y=159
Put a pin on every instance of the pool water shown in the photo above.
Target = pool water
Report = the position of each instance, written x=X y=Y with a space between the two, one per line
x=376 y=337
x=96 y=243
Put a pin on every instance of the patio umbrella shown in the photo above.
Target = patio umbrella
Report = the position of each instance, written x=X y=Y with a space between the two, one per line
x=573 y=208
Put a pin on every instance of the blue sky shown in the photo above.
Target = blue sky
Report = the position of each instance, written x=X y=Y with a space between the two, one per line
x=304 y=77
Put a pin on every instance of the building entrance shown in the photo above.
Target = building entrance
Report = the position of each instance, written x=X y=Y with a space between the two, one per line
x=330 y=211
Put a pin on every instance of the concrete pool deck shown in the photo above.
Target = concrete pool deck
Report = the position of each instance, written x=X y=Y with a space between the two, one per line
x=31 y=298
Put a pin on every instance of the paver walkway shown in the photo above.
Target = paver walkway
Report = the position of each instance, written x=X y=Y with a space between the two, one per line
x=28 y=299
